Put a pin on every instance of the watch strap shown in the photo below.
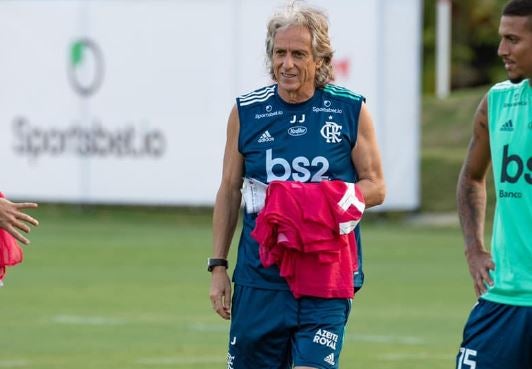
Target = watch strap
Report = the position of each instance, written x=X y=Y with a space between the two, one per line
x=214 y=262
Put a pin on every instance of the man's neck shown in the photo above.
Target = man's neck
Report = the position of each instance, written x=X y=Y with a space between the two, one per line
x=296 y=97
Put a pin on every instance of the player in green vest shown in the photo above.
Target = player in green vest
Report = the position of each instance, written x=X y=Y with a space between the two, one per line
x=498 y=333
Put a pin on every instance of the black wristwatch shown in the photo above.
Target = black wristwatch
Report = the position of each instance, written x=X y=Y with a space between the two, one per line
x=213 y=262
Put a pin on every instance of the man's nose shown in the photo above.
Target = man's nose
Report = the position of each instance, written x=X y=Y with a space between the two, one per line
x=502 y=50
x=288 y=61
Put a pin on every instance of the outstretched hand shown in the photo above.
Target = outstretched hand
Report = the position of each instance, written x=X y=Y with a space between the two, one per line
x=480 y=263
x=13 y=219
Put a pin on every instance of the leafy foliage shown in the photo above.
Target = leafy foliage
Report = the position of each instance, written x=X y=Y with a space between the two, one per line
x=474 y=43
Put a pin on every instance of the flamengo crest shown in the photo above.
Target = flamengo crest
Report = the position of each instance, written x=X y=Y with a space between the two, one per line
x=331 y=132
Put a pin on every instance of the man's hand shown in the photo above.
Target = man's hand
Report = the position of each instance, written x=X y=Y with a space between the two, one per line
x=480 y=263
x=13 y=219
x=220 y=293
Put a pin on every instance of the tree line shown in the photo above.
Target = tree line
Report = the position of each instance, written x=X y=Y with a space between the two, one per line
x=475 y=40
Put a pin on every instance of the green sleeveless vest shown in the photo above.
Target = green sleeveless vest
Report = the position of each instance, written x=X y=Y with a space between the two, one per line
x=510 y=131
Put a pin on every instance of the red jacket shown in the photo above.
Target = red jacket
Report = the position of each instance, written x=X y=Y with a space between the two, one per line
x=306 y=229
x=10 y=252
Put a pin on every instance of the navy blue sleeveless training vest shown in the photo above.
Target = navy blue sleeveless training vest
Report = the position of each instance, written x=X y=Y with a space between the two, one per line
x=307 y=142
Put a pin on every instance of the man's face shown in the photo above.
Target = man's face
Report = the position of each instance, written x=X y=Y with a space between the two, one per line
x=515 y=47
x=294 y=66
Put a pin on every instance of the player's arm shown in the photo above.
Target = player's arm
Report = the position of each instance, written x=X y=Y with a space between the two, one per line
x=13 y=219
x=471 y=199
x=367 y=161
x=225 y=216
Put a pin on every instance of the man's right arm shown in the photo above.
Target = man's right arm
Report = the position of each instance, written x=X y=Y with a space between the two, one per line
x=225 y=216
x=471 y=200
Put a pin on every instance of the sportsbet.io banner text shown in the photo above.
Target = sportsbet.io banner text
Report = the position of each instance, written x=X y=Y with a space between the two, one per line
x=127 y=101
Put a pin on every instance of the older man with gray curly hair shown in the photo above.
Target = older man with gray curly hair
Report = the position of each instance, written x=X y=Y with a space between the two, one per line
x=301 y=130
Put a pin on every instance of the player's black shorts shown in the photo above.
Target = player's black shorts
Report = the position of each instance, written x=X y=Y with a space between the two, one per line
x=270 y=329
x=497 y=336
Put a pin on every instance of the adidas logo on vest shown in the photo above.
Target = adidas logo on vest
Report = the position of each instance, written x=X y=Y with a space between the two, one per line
x=508 y=126
x=329 y=359
x=265 y=137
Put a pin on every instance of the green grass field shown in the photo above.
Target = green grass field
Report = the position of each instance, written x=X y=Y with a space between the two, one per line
x=446 y=129
x=127 y=289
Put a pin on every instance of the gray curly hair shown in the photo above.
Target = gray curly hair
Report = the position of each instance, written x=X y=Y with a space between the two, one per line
x=317 y=23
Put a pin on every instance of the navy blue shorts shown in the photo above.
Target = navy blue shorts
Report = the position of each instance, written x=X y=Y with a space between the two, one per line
x=270 y=329
x=497 y=336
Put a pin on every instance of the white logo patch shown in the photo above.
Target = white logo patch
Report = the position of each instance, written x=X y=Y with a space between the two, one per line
x=326 y=338
x=296 y=120
x=331 y=132
x=270 y=113
x=265 y=137
x=299 y=169
x=329 y=359
x=230 y=361
x=297 y=131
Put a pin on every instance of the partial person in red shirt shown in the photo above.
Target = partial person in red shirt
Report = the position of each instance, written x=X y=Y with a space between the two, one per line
x=13 y=219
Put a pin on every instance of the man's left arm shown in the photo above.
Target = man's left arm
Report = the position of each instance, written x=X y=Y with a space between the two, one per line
x=367 y=161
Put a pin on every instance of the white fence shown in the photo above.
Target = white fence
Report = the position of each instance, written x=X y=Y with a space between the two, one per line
x=127 y=101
